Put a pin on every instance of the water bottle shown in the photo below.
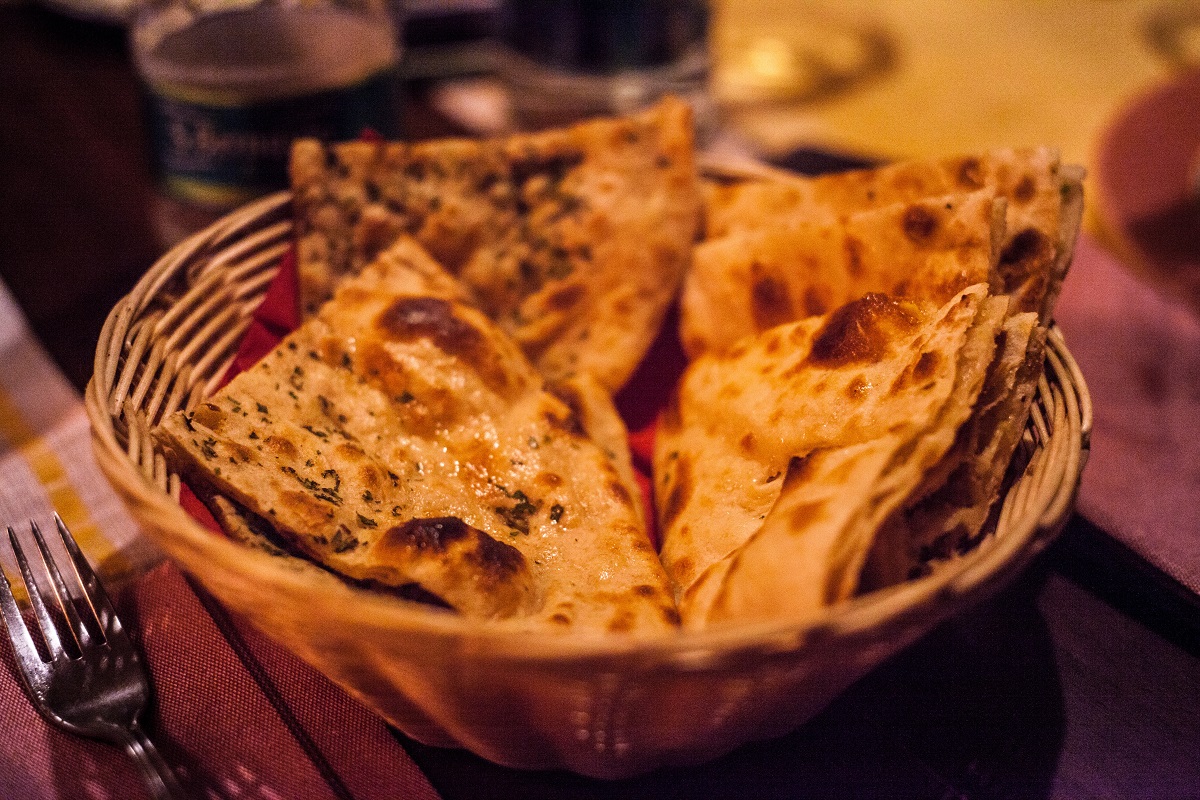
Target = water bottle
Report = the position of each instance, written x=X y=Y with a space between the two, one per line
x=230 y=83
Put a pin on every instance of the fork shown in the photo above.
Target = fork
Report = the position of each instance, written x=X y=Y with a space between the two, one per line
x=93 y=683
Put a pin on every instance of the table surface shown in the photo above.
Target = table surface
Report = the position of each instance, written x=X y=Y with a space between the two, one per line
x=1079 y=680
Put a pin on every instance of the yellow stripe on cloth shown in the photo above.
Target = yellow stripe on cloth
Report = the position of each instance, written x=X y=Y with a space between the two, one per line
x=46 y=467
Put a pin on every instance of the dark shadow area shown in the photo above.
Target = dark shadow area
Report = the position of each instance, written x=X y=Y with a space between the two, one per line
x=820 y=162
x=647 y=390
x=972 y=710
x=1169 y=244
x=1172 y=235
x=79 y=185
x=978 y=700
x=1091 y=558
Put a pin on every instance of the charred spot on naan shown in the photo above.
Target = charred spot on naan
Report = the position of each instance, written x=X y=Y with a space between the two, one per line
x=921 y=224
x=770 y=301
x=435 y=319
x=861 y=331
x=681 y=486
x=854 y=248
x=492 y=562
x=968 y=173
x=1024 y=191
x=1023 y=267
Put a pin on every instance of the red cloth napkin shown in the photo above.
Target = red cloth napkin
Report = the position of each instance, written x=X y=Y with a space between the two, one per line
x=237 y=715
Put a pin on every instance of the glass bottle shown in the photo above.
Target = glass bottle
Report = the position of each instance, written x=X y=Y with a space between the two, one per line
x=562 y=60
x=230 y=83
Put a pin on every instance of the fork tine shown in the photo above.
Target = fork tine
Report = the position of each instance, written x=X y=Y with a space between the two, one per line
x=110 y=625
x=24 y=647
x=65 y=598
x=49 y=630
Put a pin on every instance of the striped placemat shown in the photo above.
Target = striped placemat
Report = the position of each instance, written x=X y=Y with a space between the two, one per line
x=46 y=461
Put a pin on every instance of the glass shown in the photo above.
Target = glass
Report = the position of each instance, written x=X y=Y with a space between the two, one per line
x=564 y=60
x=230 y=84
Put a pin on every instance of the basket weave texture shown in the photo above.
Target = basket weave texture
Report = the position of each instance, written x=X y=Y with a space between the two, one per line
x=602 y=707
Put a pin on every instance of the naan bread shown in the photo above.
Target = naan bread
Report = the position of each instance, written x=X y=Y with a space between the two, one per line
x=400 y=439
x=573 y=240
x=788 y=268
x=778 y=462
x=1044 y=205
x=944 y=516
x=754 y=270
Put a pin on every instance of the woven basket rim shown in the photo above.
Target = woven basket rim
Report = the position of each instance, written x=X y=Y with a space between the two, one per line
x=932 y=598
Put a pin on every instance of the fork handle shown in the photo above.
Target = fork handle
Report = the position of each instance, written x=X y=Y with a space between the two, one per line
x=160 y=779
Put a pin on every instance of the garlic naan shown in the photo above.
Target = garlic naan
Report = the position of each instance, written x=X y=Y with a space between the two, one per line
x=574 y=240
x=401 y=439
x=779 y=461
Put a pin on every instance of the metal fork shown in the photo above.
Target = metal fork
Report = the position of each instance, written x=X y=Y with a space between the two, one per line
x=94 y=683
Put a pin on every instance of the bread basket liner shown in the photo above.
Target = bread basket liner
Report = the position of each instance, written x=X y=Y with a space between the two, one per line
x=601 y=706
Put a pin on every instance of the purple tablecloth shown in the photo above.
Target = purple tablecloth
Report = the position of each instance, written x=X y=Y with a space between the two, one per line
x=1139 y=351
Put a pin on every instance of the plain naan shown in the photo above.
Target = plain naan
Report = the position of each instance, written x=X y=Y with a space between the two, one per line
x=808 y=263
x=746 y=223
x=1043 y=196
x=778 y=461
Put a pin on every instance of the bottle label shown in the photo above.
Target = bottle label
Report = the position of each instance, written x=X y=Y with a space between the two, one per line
x=224 y=154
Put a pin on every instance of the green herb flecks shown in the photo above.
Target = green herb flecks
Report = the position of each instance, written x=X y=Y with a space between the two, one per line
x=315 y=432
x=325 y=493
x=343 y=540
x=517 y=516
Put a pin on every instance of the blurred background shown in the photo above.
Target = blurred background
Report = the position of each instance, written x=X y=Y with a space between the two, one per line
x=125 y=125
x=88 y=105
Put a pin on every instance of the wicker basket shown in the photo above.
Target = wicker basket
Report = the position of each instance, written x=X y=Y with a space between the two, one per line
x=603 y=708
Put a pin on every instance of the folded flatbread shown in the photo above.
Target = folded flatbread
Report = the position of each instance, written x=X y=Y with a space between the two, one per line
x=783 y=248
x=1043 y=205
x=787 y=267
x=946 y=514
x=400 y=439
x=779 y=461
x=573 y=240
